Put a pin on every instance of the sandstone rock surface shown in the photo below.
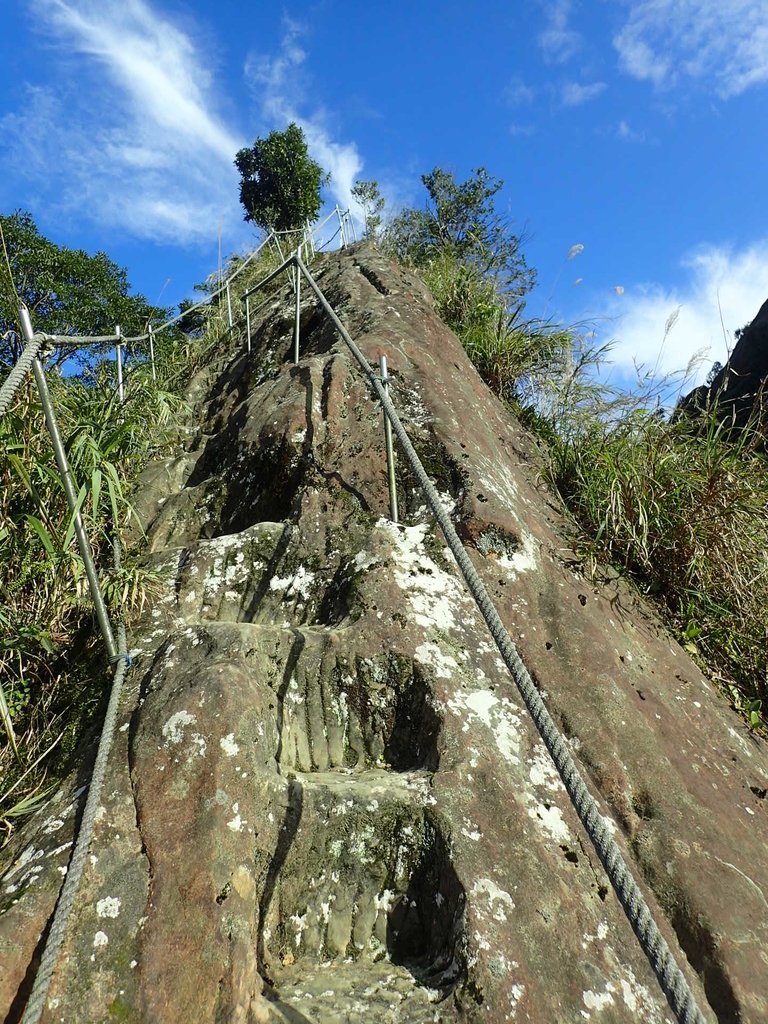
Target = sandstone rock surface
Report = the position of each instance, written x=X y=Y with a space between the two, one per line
x=325 y=801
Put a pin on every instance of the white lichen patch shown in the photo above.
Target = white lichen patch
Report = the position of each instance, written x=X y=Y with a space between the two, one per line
x=598 y=1000
x=100 y=939
x=299 y=922
x=499 y=715
x=524 y=559
x=52 y=825
x=364 y=560
x=516 y=993
x=228 y=745
x=542 y=771
x=499 y=900
x=236 y=824
x=551 y=819
x=436 y=597
x=173 y=730
x=60 y=849
x=26 y=856
x=492 y=478
x=429 y=654
x=108 y=907
x=385 y=900
x=298 y=586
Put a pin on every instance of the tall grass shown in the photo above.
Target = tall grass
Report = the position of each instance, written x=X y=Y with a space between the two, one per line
x=683 y=508
x=47 y=677
x=52 y=666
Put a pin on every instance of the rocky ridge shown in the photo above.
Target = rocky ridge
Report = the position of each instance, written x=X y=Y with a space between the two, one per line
x=325 y=801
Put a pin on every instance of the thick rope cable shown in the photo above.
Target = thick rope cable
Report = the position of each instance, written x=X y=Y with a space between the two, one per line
x=69 y=889
x=13 y=381
x=671 y=979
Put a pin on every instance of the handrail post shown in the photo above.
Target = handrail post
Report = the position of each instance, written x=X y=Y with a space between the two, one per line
x=297 y=319
x=65 y=473
x=342 y=228
x=248 y=320
x=229 y=306
x=119 y=361
x=388 y=445
x=151 y=333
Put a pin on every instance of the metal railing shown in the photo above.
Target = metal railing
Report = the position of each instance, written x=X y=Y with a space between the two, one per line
x=306 y=238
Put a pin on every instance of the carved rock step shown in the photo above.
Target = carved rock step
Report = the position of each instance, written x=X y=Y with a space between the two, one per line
x=363 y=875
x=351 y=993
x=223 y=578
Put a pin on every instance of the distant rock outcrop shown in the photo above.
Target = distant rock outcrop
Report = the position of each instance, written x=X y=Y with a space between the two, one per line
x=325 y=802
x=738 y=392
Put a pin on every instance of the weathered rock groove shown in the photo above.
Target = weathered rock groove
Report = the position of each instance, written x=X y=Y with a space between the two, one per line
x=325 y=802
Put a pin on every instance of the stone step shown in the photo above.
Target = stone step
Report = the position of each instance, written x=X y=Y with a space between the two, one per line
x=363 y=874
x=354 y=993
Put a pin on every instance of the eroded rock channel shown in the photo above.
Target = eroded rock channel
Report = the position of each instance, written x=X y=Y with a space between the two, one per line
x=325 y=802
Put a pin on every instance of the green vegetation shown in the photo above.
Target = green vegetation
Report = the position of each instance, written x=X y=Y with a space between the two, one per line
x=683 y=511
x=65 y=290
x=53 y=672
x=279 y=182
x=371 y=201
x=678 y=506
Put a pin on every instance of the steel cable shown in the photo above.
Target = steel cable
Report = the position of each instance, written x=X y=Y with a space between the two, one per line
x=69 y=889
x=13 y=381
x=671 y=979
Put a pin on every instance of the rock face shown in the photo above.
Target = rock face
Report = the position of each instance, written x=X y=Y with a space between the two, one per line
x=740 y=386
x=325 y=801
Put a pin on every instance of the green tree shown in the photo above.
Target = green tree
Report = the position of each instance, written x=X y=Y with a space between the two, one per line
x=280 y=183
x=66 y=290
x=460 y=220
x=368 y=195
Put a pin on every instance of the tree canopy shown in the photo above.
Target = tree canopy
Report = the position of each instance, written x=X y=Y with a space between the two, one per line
x=368 y=195
x=67 y=291
x=460 y=220
x=280 y=183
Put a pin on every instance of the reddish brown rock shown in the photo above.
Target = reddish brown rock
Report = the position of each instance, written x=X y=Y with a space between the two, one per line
x=327 y=802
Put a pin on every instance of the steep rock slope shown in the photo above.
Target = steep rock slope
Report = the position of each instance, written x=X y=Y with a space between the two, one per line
x=738 y=389
x=325 y=801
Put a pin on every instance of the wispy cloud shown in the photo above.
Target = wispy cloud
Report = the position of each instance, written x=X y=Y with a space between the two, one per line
x=722 y=45
x=128 y=134
x=574 y=94
x=559 y=42
x=518 y=93
x=627 y=133
x=720 y=283
x=282 y=91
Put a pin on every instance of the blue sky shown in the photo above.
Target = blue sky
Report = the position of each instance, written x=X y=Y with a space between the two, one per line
x=633 y=128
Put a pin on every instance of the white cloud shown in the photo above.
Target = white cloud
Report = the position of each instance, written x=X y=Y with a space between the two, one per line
x=518 y=94
x=626 y=133
x=559 y=42
x=522 y=130
x=282 y=92
x=574 y=94
x=722 y=44
x=128 y=134
x=720 y=282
